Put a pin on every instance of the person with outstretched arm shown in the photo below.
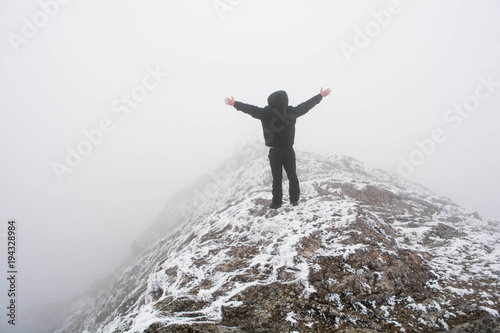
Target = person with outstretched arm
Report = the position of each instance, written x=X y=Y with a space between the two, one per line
x=278 y=123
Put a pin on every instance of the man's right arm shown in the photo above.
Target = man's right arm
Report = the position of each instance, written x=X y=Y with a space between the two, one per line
x=252 y=110
x=303 y=108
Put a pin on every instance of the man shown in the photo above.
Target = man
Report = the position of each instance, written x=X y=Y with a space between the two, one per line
x=278 y=122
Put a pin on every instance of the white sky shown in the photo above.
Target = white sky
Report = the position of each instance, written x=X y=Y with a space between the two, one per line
x=64 y=79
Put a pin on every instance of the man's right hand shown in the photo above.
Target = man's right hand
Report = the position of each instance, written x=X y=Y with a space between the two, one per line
x=325 y=93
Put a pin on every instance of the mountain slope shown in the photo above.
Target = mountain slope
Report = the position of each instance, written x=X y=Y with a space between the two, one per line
x=363 y=249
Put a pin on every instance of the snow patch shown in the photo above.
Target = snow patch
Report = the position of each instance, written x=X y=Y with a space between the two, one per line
x=291 y=317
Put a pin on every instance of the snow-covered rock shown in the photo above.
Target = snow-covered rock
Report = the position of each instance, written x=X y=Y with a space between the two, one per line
x=364 y=249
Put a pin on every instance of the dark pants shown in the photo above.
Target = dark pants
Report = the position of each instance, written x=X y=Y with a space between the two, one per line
x=279 y=158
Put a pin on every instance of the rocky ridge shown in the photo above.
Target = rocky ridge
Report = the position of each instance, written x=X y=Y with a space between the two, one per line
x=365 y=251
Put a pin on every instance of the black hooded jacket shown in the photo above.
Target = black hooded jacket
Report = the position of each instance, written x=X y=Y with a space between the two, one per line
x=278 y=118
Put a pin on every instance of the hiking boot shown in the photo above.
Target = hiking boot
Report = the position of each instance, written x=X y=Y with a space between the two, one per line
x=275 y=205
x=294 y=203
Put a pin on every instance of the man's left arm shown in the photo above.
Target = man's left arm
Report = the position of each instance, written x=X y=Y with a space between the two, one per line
x=252 y=110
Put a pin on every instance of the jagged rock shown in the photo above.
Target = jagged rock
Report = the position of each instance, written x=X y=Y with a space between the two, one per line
x=365 y=251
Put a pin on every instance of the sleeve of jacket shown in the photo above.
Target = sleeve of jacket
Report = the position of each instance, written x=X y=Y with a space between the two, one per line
x=303 y=108
x=252 y=110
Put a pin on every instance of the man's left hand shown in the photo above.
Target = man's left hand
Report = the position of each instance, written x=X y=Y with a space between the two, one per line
x=230 y=101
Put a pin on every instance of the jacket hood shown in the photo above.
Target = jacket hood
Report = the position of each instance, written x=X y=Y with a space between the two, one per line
x=278 y=99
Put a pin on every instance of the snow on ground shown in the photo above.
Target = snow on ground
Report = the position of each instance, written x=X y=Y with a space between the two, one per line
x=198 y=261
x=279 y=236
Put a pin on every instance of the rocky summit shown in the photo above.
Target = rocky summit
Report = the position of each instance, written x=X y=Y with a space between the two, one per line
x=364 y=251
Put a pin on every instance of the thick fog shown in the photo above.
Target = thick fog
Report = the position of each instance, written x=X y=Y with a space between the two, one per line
x=109 y=108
